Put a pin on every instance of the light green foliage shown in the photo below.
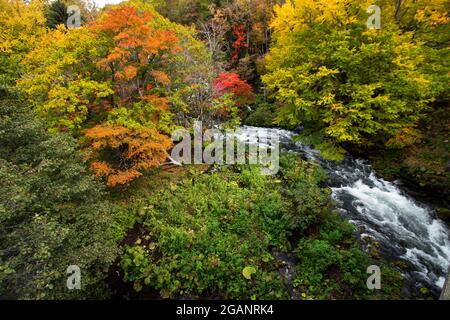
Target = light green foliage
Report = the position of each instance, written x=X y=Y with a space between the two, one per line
x=21 y=25
x=61 y=81
x=212 y=234
x=329 y=149
x=204 y=231
x=355 y=85
x=139 y=116
x=247 y=272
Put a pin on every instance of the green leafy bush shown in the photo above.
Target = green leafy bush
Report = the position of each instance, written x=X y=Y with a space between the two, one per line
x=204 y=231
x=211 y=235
x=306 y=200
x=52 y=213
x=263 y=115
x=328 y=270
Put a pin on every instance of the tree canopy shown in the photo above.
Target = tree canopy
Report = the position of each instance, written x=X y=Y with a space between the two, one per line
x=52 y=212
x=86 y=118
x=349 y=83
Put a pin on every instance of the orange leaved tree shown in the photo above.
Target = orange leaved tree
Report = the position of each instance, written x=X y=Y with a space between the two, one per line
x=135 y=51
x=122 y=153
x=134 y=58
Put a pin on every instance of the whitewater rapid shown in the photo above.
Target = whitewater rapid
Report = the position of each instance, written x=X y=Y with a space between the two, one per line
x=404 y=229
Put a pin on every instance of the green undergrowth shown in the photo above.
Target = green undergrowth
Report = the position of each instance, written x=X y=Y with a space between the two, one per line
x=210 y=233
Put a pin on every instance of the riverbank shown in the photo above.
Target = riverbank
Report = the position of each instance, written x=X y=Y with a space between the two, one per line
x=232 y=233
x=424 y=168
x=328 y=257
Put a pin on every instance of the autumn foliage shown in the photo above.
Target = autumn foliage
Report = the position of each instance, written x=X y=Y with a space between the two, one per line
x=122 y=154
x=135 y=51
x=118 y=72
x=135 y=54
x=239 y=42
x=232 y=83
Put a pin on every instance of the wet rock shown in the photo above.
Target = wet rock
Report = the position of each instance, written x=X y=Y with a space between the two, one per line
x=299 y=129
x=444 y=214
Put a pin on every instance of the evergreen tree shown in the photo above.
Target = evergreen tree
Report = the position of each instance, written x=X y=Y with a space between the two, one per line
x=56 y=14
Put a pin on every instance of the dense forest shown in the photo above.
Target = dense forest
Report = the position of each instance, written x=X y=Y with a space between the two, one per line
x=90 y=98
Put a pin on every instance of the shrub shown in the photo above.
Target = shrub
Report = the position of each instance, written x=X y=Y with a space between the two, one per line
x=52 y=213
x=262 y=116
x=204 y=231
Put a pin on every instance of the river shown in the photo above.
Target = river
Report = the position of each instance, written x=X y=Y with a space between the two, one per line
x=404 y=228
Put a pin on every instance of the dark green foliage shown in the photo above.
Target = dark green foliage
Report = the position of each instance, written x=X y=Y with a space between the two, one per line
x=56 y=14
x=331 y=265
x=262 y=116
x=52 y=214
x=423 y=167
x=307 y=202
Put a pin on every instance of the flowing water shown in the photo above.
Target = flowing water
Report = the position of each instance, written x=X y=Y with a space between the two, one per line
x=404 y=228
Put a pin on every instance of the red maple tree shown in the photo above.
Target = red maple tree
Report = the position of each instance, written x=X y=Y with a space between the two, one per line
x=239 y=43
x=232 y=83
